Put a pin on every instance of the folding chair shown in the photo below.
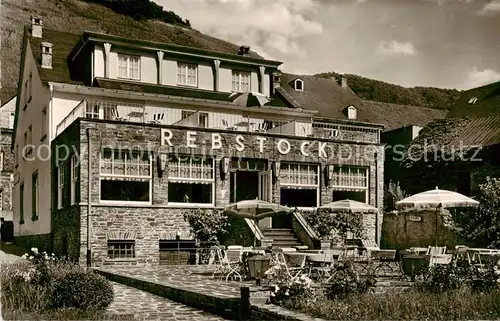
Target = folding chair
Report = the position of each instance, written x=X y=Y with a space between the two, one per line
x=217 y=259
x=295 y=264
x=232 y=261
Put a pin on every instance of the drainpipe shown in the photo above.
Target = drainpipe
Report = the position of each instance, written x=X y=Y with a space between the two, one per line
x=376 y=199
x=89 y=199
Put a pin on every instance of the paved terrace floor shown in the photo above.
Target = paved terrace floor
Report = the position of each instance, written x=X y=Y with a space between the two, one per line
x=195 y=278
x=141 y=305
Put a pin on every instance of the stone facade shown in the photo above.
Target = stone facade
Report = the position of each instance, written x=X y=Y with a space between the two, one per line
x=7 y=168
x=147 y=224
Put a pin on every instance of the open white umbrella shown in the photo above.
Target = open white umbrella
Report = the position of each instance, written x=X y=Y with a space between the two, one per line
x=437 y=198
x=349 y=206
x=255 y=209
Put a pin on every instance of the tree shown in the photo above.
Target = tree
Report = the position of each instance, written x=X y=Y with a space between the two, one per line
x=392 y=194
x=483 y=226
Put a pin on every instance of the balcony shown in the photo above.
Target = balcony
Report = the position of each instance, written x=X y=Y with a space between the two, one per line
x=140 y=113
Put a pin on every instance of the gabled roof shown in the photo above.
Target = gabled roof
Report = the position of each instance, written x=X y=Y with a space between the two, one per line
x=487 y=103
x=321 y=94
x=331 y=101
x=395 y=116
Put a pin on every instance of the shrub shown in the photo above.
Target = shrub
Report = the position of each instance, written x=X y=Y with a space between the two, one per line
x=82 y=290
x=330 y=224
x=347 y=282
x=207 y=226
x=41 y=282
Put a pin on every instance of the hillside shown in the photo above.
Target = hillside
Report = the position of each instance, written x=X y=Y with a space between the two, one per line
x=370 y=89
x=76 y=16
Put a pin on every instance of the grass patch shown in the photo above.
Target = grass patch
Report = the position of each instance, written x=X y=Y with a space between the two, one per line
x=461 y=304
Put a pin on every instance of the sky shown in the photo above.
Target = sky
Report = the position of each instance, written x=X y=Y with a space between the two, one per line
x=436 y=43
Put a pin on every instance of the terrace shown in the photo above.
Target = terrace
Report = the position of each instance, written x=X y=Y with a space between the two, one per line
x=126 y=111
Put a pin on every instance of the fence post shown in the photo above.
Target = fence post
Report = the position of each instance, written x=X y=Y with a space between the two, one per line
x=245 y=303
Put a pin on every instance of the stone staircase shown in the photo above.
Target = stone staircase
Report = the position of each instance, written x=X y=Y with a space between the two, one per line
x=282 y=237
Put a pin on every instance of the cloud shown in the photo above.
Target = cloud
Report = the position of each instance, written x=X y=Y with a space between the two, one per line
x=492 y=7
x=272 y=29
x=396 y=48
x=477 y=78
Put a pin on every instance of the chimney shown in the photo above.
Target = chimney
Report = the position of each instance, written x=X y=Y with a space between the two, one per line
x=276 y=80
x=46 y=48
x=244 y=50
x=342 y=81
x=36 y=27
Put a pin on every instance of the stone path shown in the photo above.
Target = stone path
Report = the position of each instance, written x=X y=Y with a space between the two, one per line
x=195 y=278
x=144 y=306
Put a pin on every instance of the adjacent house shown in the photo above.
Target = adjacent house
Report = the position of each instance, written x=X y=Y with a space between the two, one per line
x=115 y=138
x=7 y=111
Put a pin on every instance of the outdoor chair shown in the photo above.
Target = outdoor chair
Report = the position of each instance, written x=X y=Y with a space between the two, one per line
x=483 y=259
x=232 y=261
x=217 y=259
x=431 y=250
x=382 y=259
x=295 y=264
x=368 y=246
x=321 y=265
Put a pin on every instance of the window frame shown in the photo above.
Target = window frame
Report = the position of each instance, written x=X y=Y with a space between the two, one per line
x=128 y=59
x=21 y=203
x=183 y=70
x=301 y=85
x=117 y=176
x=43 y=130
x=316 y=187
x=177 y=179
x=339 y=187
x=239 y=74
x=74 y=179
x=1 y=161
x=60 y=184
x=35 y=196
x=354 y=111
x=120 y=242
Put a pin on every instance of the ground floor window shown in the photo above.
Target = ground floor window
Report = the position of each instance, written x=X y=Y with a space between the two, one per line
x=349 y=195
x=350 y=182
x=125 y=176
x=119 y=249
x=298 y=197
x=191 y=179
x=299 y=185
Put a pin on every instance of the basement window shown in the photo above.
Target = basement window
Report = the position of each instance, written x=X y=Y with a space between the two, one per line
x=125 y=176
x=121 y=249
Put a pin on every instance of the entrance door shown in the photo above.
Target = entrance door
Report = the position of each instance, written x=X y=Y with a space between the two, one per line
x=265 y=195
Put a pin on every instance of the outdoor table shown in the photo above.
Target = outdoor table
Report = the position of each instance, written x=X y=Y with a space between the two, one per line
x=412 y=262
x=418 y=250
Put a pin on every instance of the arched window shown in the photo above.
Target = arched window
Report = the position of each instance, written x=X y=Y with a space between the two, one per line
x=352 y=112
x=299 y=84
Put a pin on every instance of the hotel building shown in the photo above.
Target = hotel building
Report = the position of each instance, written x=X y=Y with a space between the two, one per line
x=135 y=132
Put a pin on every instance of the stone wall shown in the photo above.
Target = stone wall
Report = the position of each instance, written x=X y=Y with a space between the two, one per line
x=66 y=230
x=8 y=167
x=416 y=229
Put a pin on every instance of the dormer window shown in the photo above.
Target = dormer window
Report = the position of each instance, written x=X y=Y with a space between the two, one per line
x=472 y=100
x=352 y=112
x=241 y=81
x=298 y=84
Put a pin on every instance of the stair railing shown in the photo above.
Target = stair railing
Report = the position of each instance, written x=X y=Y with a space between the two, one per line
x=312 y=239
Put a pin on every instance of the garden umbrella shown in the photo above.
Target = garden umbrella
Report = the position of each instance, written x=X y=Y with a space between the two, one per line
x=349 y=206
x=255 y=209
x=249 y=99
x=437 y=199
